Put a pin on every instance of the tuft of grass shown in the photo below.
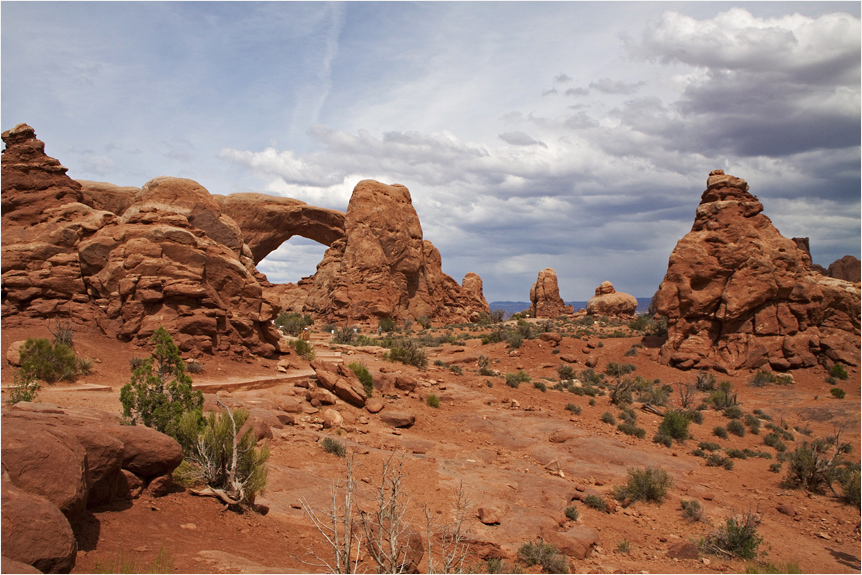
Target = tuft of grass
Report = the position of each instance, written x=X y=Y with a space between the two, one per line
x=691 y=510
x=608 y=417
x=540 y=385
x=624 y=546
x=364 y=376
x=596 y=502
x=331 y=445
x=571 y=513
x=433 y=401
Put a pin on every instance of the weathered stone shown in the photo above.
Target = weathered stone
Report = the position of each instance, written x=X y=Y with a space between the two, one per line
x=332 y=419
x=545 y=300
x=397 y=418
x=609 y=302
x=683 y=550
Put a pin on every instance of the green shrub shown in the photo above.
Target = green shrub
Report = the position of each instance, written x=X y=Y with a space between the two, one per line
x=515 y=340
x=571 y=513
x=762 y=378
x=592 y=402
x=596 y=502
x=705 y=381
x=303 y=348
x=695 y=416
x=732 y=412
x=661 y=439
x=25 y=389
x=160 y=392
x=545 y=555
x=815 y=465
x=456 y=369
x=719 y=431
x=408 y=352
x=752 y=422
x=631 y=429
x=774 y=441
x=364 y=376
x=344 y=336
x=709 y=446
x=292 y=323
x=718 y=460
x=574 y=409
x=333 y=446
x=675 y=425
x=691 y=510
x=516 y=379
x=837 y=392
x=433 y=401
x=590 y=377
x=566 y=372
x=736 y=427
x=540 y=385
x=608 y=417
x=737 y=537
x=775 y=467
x=648 y=484
x=387 y=324
x=40 y=359
x=851 y=488
x=212 y=454
x=736 y=453
x=838 y=372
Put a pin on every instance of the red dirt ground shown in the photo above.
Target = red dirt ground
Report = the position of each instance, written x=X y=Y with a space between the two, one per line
x=503 y=456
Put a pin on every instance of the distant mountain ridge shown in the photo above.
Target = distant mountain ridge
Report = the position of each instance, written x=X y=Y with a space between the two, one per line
x=513 y=307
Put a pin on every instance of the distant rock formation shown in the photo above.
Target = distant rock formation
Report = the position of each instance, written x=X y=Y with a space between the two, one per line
x=610 y=302
x=737 y=294
x=846 y=268
x=545 y=300
x=383 y=267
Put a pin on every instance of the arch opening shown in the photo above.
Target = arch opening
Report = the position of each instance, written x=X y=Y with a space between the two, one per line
x=293 y=260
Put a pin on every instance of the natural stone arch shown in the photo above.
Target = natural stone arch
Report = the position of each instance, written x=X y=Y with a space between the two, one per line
x=269 y=221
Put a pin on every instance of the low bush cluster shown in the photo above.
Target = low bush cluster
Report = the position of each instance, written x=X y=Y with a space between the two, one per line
x=545 y=555
x=648 y=484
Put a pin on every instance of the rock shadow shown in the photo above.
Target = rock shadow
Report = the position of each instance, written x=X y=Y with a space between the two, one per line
x=846 y=559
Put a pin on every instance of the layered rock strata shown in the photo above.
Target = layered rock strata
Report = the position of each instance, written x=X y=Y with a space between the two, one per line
x=545 y=300
x=737 y=294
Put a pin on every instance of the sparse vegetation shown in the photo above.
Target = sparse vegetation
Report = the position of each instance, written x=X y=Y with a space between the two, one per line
x=408 y=352
x=675 y=425
x=719 y=431
x=762 y=378
x=736 y=427
x=566 y=371
x=838 y=372
x=648 y=484
x=691 y=509
x=303 y=348
x=608 y=417
x=718 y=460
x=387 y=324
x=293 y=323
x=543 y=554
x=364 y=376
x=837 y=392
x=40 y=359
x=624 y=546
x=333 y=446
x=571 y=513
x=573 y=409
x=814 y=466
x=516 y=379
x=596 y=502
x=540 y=385
x=26 y=388
x=433 y=401
x=737 y=537
x=773 y=440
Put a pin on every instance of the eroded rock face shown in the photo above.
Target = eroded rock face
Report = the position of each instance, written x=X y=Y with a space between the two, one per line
x=545 y=300
x=268 y=221
x=167 y=257
x=737 y=294
x=846 y=268
x=383 y=267
x=608 y=301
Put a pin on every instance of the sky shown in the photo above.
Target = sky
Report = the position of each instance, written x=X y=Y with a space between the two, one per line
x=571 y=135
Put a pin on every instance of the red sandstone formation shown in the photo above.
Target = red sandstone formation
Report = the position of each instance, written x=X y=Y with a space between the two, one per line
x=545 y=300
x=846 y=268
x=610 y=302
x=383 y=267
x=737 y=294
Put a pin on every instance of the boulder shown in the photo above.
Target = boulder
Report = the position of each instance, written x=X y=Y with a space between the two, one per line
x=397 y=418
x=332 y=419
x=737 y=294
x=608 y=301
x=683 y=550
x=489 y=515
x=147 y=452
x=35 y=532
x=577 y=542
x=374 y=405
x=545 y=300
x=11 y=566
x=13 y=353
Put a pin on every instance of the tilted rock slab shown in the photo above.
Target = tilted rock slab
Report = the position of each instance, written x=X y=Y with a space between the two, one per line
x=737 y=294
x=383 y=267
x=545 y=300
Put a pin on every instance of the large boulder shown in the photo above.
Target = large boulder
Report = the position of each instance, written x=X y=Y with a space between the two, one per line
x=383 y=267
x=737 y=294
x=545 y=300
x=608 y=301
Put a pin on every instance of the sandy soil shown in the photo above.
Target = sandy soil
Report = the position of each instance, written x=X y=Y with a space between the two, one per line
x=499 y=450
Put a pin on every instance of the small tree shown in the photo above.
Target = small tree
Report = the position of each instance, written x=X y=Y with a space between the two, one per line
x=26 y=388
x=160 y=391
x=815 y=466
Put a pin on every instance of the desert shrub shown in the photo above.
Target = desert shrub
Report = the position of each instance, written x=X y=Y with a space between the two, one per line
x=194 y=367
x=851 y=488
x=736 y=537
x=608 y=417
x=691 y=509
x=774 y=441
x=733 y=412
x=540 y=385
x=675 y=425
x=364 y=376
x=816 y=465
x=574 y=409
x=292 y=323
x=709 y=446
x=803 y=430
x=25 y=389
x=760 y=415
x=724 y=396
x=695 y=416
x=545 y=555
x=652 y=392
x=624 y=546
x=752 y=422
x=566 y=372
x=303 y=349
x=761 y=378
x=333 y=446
x=215 y=449
x=592 y=402
x=456 y=369
x=718 y=460
x=433 y=401
x=387 y=324
x=631 y=352
x=596 y=502
x=135 y=363
x=515 y=340
x=736 y=453
x=648 y=484
x=344 y=335
x=516 y=379
x=699 y=452
x=837 y=392
x=160 y=391
x=662 y=439
x=719 y=431
x=766 y=567
x=408 y=352
x=423 y=321
x=571 y=513
x=631 y=429
x=775 y=467
x=837 y=371
x=705 y=381
x=40 y=359
x=590 y=377
x=736 y=427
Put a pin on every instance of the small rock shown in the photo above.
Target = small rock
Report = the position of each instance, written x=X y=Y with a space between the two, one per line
x=683 y=550
x=489 y=515
x=190 y=526
x=786 y=510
